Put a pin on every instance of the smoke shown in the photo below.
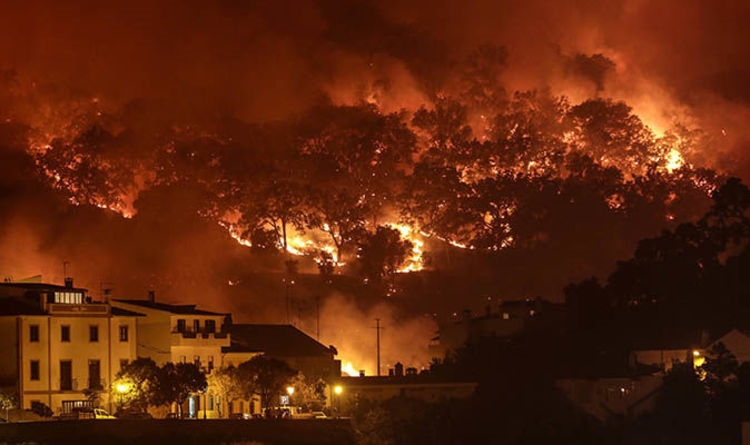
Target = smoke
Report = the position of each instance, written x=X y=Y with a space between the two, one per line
x=352 y=330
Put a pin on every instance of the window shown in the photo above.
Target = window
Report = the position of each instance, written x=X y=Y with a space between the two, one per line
x=66 y=375
x=34 y=370
x=210 y=403
x=181 y=324
x=196 y=325
x=124 y=362
x=210 y=326
x=197 y=360
x=93 y=333
x=95 y=381
x=65 y=333
x=124 y=333
x=34 y=333
x=210 y=363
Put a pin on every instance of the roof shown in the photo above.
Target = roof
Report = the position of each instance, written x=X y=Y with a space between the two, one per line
x=15 y=306
x=125 y=313
x=418 y=379
x=180 y=309
x=276 y=340
x=38 y=287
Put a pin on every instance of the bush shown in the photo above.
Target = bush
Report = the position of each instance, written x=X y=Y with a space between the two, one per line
x=41 y=409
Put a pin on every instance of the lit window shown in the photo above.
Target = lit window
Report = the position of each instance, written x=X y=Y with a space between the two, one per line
x=506 y=316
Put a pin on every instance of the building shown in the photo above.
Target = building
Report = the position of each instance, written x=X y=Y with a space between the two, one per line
x=423 y=386
x=281 y=342
x=59 y=346
x=286 y=343
x=510 y=319
x=181 y=333
x=611 y=398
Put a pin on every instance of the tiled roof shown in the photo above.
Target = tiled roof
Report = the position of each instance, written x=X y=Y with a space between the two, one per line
x=276 y=340
x=181 y=309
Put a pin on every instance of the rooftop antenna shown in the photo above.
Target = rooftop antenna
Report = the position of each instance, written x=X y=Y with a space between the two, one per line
x=65 y=269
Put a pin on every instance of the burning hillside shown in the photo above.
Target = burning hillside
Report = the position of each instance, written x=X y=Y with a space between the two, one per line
x=483 y=141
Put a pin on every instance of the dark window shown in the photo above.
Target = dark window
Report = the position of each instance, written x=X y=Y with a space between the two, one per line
x=123 y=333
x=197 y=360
x=196 y=325
x=95 y=381
x=66 y=375
x=34 y=333
x=93 y=333
x=65 y=333
x=210 y=363
x=210 y=326
x=34 y=371
x=181 y=324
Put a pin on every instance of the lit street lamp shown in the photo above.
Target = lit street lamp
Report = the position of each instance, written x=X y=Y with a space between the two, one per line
x=337 y=390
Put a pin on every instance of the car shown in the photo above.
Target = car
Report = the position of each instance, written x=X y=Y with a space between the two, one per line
x=102 y=414
x=319 y=415
x=133 y=414
x=239 y=416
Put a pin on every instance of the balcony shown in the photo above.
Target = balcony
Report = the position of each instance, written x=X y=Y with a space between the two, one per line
x=202 y=336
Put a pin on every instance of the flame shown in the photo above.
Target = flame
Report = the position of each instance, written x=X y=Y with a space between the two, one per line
x=415 y=261
x=347 y=368
x=674 y=160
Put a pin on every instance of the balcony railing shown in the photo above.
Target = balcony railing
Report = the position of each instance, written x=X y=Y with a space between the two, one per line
x=204 y=333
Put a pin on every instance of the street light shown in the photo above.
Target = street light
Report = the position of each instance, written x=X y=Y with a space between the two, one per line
x=337 y=390
x=122 y=387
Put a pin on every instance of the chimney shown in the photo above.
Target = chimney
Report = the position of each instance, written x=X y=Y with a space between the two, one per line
x=152 y=296
x=399 y=371
x=69 y=282
x=107 y=295
x=361 y=372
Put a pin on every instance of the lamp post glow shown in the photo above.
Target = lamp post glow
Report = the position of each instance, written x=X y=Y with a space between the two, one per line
x=122 y=388
x=337 y=390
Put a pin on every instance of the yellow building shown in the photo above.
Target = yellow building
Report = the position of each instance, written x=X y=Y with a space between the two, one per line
x=59 y=346
x=181 y=333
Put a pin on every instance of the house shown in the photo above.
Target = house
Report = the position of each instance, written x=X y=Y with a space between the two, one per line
x=59 y=346
x=510 y=319
x=282 y=342
x=181 y=333
x=286 y=343
x=612 y=397
x=424 y=386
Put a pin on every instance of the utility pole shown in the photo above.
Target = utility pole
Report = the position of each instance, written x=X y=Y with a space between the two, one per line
x=377 y=329
x=317 y=317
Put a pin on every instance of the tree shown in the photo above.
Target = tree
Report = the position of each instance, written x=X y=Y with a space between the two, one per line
x=381 y=253
x=230 y=385
x=308 y=393
x=269 y=377
x=135 y=383
x=176 y=382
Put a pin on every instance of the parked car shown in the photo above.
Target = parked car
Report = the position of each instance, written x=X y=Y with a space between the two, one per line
x=240 y=416
x=319 y=415
x=101 y=414
x=133 y=414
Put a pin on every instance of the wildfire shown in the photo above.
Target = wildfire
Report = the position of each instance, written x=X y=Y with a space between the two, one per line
x=347 y=368
x=674 y=160
x=415 y=261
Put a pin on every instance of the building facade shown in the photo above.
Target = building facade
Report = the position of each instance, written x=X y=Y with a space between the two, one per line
x=59 y=346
